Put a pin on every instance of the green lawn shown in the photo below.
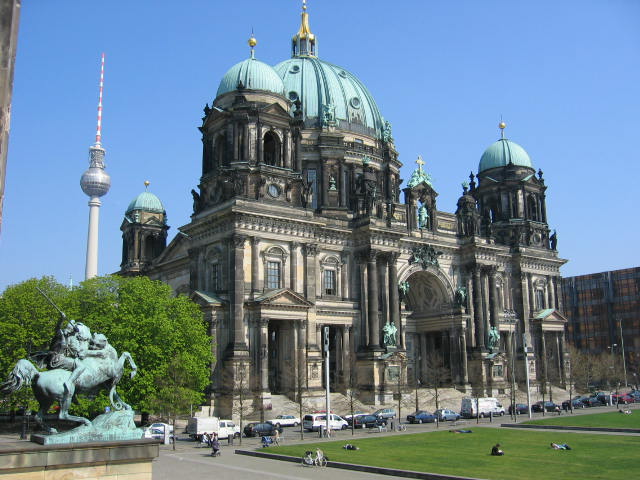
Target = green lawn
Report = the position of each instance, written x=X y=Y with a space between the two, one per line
x=609 y=419
x=527 y=454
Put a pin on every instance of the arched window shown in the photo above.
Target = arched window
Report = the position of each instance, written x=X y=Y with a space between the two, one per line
x=274 y=260
x=532 y=206
x=220 y=150
x=271 y=149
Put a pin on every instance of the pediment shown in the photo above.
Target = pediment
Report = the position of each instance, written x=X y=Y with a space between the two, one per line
x=550 y=319
x=177 y=248
x=207 y=299
x=282 y=297
x=275 y=109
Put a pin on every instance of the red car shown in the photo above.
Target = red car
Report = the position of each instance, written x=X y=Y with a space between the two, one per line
x=622 y=398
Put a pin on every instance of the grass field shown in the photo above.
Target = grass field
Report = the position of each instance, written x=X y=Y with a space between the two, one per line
x=527 y=454
x=609 y=419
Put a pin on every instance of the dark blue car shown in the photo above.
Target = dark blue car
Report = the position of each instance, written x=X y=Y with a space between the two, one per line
x=421 y=416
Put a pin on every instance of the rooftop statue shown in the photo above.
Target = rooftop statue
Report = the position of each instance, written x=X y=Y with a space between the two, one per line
x=77 y=362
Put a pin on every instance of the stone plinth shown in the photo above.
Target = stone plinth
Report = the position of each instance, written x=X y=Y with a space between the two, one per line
x=125 y=460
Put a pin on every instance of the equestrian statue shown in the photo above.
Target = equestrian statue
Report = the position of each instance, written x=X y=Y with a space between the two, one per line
x=76 y=362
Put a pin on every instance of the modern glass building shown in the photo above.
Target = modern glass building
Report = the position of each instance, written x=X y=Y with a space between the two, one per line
x=604 y=314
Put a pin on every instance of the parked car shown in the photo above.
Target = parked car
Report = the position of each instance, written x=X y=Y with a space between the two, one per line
x=592 y=401
x=162 y=426
x=366 y=421
x=622 y=398
x=385 y=413
x=548 y=407
x=314 y=421
x=573 y=403
x=444 y=414
x=421 y=416
x=635 y=394
x=156 y=433
x=519 y=408
x=285 y=421
x=255 y=429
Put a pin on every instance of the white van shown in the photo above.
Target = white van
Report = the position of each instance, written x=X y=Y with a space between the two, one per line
x=314 y=421
x=472 y=407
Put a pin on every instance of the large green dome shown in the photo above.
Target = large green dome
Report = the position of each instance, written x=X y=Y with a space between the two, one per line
x=502 y=153
x=254 y=75
x=321 y=85
x=146 y=202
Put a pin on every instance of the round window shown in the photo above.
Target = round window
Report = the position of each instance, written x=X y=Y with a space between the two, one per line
x=294 y=69
x=274 y=190
x=355 y=102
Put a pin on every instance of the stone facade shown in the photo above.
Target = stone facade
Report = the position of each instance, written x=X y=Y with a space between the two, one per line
x=298 y=224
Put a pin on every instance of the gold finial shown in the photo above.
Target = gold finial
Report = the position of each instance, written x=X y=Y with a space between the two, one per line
x=252 y=41
x=420 y=162
x=146 y=184
x=304 y=4
x=502 y=126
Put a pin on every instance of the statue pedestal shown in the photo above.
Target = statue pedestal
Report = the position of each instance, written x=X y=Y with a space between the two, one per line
x=108 y=427
x=126 y=459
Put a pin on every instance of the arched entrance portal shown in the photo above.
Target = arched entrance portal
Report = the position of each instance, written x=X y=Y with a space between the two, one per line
x=439 y=350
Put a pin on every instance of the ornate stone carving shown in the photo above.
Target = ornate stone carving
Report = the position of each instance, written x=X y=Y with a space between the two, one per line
x=425 y=255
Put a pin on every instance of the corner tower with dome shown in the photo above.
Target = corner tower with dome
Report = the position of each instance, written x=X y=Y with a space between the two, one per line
x=301 y=223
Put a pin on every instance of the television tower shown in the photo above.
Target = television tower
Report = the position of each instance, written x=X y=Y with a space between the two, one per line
x=95 y=182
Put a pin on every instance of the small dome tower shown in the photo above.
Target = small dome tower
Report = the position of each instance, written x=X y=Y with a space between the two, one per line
x=510 y=197
x=144 y=233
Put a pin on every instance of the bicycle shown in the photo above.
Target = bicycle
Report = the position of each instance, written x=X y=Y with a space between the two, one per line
x=319 y=460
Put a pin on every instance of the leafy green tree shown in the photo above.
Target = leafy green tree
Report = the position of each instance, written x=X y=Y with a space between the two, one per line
x=27 y=325
x=136 y=314
x=177 y=391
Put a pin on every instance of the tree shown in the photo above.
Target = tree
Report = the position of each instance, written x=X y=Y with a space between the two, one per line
x=437 y=374
x=241 y=391
x=136 y=314
x=177 y=391
x=27 y=325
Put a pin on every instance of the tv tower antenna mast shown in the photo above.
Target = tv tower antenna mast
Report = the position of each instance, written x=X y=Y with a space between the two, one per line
x=95 y=183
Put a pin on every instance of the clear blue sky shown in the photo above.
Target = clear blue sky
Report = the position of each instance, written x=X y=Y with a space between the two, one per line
x=564 y=75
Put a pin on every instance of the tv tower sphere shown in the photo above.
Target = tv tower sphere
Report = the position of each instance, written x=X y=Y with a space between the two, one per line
x=95 y=181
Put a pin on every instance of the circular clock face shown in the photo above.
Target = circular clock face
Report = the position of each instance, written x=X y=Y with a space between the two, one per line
x=537 y=238
x=274 y=190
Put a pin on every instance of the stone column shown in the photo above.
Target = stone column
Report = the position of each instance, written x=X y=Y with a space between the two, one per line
x=394 y=298
x=372 y=308
x=424 y=353
x=552 y=292
x=303 y=346
x=298 y=152
x=287 y=151
x=239 y=341
x=264 y=354
x=255 y=243
x=293 y=253
x=463 y=355
x=235 y=141
x=346 y=343
x=494 y=304
x=310 y=252
x=477 y=309
x=532 y=300
x=383 y=276
x=259 y=143
x=344 y=279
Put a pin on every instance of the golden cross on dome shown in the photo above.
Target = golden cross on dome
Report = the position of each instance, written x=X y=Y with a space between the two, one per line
x=420 y=162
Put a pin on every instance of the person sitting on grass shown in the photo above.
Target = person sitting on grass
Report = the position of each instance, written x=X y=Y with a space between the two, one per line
x=626 y=412
x=495 y=451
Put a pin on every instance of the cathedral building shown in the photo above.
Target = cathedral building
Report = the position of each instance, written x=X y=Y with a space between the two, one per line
x=301 y=224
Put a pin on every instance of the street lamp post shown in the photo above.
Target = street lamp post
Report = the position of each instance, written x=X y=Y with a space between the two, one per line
x=624 y=361
x=613 y=369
